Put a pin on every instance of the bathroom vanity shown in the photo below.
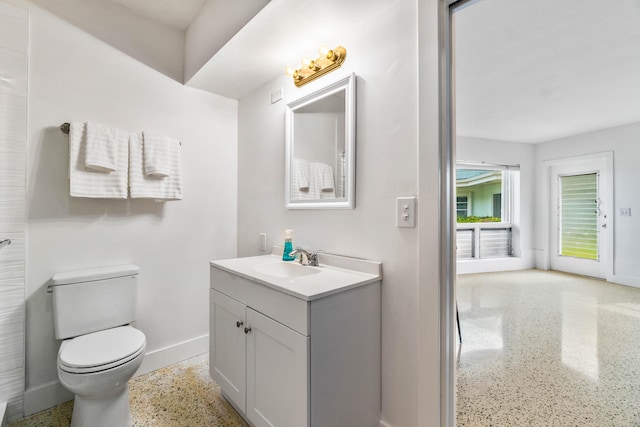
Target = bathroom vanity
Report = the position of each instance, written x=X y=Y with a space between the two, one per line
x=294 y=345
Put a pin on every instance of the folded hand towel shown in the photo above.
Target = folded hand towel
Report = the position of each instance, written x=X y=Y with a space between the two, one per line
x=322 y=180
x=156 y=153
x=85 y=182
x=326 y=177
x=101 y=146
x=145 y=186
x=301 y=174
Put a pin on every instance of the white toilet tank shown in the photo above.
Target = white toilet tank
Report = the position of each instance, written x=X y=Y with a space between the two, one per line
x=91 y=300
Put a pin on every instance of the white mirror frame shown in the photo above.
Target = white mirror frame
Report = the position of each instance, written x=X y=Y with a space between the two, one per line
x=348 y=84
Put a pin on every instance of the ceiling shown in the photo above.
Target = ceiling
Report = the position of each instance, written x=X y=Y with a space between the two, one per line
x=228 y=47
x=279 y=36
x=538 y=70
x=175 y=14
x=526 y=70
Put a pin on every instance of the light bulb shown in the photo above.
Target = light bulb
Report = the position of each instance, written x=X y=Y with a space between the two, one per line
x=306 y=61
x=324 y=51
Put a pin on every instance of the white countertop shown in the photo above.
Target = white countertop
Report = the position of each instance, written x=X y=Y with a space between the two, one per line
x=336 y=274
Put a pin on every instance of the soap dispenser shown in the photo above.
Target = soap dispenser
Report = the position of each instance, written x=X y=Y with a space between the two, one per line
x=288 y=246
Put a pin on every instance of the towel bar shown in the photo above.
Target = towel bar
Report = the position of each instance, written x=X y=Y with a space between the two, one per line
x=66 y=126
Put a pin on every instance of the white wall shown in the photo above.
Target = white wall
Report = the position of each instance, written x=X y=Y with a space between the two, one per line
x=624 y=141
x=384 y=57
x=216 y=23
x=431 y=357
x=157 y=45
x=506 y=153
x=76 y=77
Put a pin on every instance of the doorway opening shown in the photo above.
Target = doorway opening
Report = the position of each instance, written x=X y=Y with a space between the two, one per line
x=518 y=102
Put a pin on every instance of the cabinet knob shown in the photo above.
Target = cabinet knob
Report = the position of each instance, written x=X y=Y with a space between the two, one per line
x=239 y=323
x=247 y=330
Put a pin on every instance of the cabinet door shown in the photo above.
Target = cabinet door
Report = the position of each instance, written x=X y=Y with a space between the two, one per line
x=227 y=347
x=277 y=374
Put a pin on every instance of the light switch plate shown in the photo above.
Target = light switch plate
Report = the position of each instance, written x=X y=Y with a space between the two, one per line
x=625 y=211
x=406 y=212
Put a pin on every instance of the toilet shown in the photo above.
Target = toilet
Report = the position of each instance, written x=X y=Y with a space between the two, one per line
x=100 y=351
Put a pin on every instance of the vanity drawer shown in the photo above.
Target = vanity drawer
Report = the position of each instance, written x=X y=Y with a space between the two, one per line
x=288 y=310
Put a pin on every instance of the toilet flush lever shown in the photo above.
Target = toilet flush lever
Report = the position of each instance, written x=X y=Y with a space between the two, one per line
x=5 y=242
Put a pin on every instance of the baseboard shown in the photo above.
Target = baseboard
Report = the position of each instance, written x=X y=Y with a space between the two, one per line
x=625 y=280
x=45 y=396
x=490 y=265
x=175 y=353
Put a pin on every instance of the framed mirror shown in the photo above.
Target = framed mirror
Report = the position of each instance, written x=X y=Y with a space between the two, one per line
x=320 y=147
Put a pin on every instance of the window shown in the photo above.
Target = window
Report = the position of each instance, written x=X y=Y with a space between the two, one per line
x=462 y=206
x=483 y=185
x=485 y=227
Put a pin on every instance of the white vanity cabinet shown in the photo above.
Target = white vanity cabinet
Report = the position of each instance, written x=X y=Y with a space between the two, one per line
x=263 y=370
x=286 y=360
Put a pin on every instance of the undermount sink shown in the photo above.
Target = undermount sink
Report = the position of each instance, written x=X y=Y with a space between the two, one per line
x=285 y=270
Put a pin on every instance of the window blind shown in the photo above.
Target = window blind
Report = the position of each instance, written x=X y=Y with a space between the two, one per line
x=495 y=243
x=579 y=216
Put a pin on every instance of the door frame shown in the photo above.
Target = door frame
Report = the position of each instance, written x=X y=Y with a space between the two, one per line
x=607 y=156
x=436 y=163
x=447 y=210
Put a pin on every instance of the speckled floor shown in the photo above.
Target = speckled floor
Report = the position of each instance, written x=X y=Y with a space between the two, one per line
x=179 y=395
x=547 y=349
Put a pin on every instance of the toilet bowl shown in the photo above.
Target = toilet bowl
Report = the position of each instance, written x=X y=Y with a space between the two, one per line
x=100 y=351
x=97 y=367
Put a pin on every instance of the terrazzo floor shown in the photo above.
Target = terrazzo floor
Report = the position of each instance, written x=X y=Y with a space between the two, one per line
x=547 y=349
x=181 y=395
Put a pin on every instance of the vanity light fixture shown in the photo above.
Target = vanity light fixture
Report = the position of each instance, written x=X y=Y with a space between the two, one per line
x=311 y=69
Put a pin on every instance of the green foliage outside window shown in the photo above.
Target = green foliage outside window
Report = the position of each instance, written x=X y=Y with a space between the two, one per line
x=468 y=219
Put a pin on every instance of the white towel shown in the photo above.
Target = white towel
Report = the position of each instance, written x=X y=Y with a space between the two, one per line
x=322 y=181
x=143 y=186
x=326 y=178
x=156 y=152
x=87 y=183
x=301 y=182
x=102 y=143
x=301 y=174
x=322 y=178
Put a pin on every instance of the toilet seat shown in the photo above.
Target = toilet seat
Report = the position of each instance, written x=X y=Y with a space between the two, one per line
x=102 y=350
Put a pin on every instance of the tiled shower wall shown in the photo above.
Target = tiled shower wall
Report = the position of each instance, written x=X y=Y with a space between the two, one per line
x=14 y=32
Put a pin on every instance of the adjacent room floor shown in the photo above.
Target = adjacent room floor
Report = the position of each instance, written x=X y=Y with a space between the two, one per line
x=544 y=348
x=179 y=395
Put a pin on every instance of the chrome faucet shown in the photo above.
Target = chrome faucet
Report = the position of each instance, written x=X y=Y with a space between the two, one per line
x=307 y=257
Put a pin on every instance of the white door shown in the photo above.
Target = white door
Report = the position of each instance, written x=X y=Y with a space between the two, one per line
x=581 y=223
x=277 y=374
x=227 y=347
